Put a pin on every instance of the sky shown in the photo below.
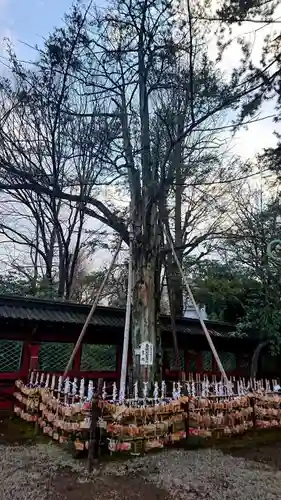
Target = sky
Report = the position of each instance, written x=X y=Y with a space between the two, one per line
x=30 y=21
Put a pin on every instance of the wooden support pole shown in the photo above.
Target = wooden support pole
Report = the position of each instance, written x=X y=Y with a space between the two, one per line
x=93 y=450
x=204 y=328
x=93 y=444
x=124 y=364
x=93 y=308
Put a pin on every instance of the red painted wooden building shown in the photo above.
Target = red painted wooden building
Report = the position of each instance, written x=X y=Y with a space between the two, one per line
x=40 y=334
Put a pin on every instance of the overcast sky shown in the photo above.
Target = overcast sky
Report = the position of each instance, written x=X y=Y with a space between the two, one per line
x=30 y=21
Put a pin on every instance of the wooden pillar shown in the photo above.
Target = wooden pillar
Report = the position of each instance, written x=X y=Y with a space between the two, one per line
x=77 y=362
x=34 y=356
x=215 y=368
x=186 y=362
x=94 y=450
x=199 y=362
x=25 y=361
x=119 y=360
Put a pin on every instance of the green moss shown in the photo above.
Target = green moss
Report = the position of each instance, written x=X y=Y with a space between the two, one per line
x=260 y=445
x=14 y=430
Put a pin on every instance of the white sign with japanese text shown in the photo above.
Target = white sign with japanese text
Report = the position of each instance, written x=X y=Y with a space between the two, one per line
x=146 y=354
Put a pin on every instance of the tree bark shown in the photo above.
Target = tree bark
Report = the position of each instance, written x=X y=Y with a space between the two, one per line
x=145 y=312
x=145 y=218
x=177 y=168
x=172 y=313
x=176 y=277
x=255 y=358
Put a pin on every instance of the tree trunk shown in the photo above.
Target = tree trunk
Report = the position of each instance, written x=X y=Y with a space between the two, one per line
x=175 y=277
x=172 y=303
x=145 y=313
x=157 y=298
x=145 y=217
x=34 y=283
x=255 y=358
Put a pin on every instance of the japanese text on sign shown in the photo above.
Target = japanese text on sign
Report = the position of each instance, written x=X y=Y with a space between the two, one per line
x=146 y=354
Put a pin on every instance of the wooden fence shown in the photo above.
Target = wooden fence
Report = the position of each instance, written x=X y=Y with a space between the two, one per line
x=196 y=385
x=71 y=412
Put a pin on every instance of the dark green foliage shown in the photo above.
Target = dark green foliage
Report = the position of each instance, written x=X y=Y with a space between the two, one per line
x=244 y=287
x=12 y=284
x=238 y=10
x=223 y=289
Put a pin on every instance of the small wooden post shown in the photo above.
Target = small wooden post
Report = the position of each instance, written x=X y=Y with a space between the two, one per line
x=93 y=451
x=186 y=420
x=36 y=428
x=252 y=402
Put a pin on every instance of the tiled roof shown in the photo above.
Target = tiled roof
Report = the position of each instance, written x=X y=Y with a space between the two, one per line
x=31 y=309
x=53 y=316
x=191 y=329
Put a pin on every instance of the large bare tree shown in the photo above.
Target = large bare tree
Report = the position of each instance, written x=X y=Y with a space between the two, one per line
x=42 y=141
x=117 y=88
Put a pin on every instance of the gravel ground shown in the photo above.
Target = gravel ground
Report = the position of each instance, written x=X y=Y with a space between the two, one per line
x=207 y=474
x=47 y=472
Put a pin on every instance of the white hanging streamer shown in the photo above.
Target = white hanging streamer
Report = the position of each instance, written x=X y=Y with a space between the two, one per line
x=178 y=391
x=156 y=392
x=82 y=388
x=74 y=387
x=121 y=396
x=206 y=388
x=163 y=389
x=228 y=387
x=145 y=390
x=47 y=381
x=59 y=384
x=193 y=391
x=217 y=389
x=114 y=392
x=104 y=394
x=67 y=386
x=136 y=391
x=203 y=389
x=66 y=390
x=90 y=390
